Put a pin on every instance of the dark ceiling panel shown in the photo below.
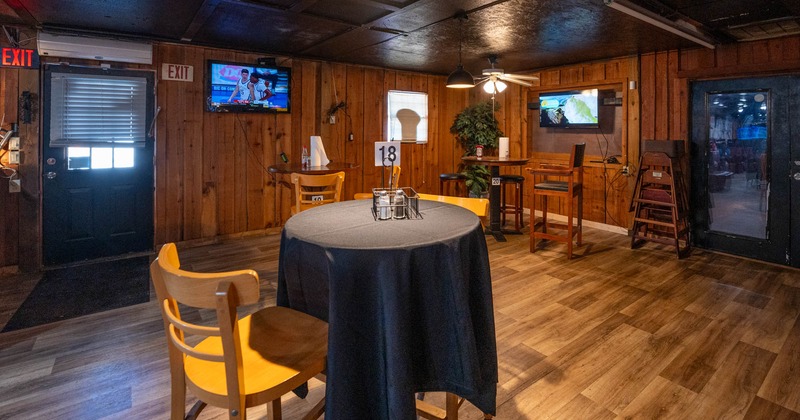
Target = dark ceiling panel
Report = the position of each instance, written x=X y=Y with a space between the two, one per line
x=146 y=18
x=352 y=11
x=249 y=27
x=417 y=35
x=721 y=14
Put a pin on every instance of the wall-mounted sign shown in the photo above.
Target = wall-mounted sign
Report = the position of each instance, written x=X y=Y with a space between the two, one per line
x=179 y=72
x=19 y=57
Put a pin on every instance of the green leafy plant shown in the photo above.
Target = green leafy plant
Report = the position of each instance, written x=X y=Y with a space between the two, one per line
x=476 y=125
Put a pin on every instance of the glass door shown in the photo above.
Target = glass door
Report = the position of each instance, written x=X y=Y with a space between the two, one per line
x=741 y=138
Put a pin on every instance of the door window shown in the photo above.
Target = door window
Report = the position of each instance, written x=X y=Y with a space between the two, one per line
x=738 y=178
x=82 y=158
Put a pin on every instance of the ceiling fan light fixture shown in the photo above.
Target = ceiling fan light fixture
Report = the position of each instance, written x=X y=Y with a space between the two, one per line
x=494 y=86
x=460 y=78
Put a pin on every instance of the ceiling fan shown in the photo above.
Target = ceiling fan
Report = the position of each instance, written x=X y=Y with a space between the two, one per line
x=495 y=78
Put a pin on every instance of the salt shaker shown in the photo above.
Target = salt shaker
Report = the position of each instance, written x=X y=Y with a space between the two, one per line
x=399 y=205
x=384 y=206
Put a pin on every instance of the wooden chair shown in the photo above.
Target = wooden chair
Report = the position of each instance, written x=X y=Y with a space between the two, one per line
x=559 y=181
x=238 y=364
x=315 y=190
x=479 y=206
x=394 y=182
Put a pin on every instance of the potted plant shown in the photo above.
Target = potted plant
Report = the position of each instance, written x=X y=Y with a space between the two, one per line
x=476 y=125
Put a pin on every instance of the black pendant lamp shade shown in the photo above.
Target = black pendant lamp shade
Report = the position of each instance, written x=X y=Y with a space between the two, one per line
x=460 y=78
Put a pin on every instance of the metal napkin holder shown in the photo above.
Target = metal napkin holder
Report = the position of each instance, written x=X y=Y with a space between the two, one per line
x=409 y=209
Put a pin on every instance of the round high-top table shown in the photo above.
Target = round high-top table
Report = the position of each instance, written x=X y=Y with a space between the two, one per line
x=408 y=302
x=494 y=163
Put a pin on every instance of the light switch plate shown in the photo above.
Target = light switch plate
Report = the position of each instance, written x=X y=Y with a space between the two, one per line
x=14 y=185
x=13 y=143
x=13 y=157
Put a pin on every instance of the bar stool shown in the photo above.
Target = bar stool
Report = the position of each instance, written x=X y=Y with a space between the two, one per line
x=448 y=179
x=517 y=207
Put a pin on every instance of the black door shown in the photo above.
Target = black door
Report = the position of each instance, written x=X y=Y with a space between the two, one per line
x=97 y=197
x=745 y=169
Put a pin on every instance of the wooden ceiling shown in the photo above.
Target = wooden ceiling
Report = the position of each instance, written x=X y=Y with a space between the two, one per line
x=417 y=35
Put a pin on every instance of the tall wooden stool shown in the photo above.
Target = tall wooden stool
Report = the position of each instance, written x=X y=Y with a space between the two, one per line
x=453 y=179
x=516 y=208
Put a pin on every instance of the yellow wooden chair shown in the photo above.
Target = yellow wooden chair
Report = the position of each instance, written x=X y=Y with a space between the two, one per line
x=315 y=190
x=394 y=182
x=479 y=206
x=238 y=364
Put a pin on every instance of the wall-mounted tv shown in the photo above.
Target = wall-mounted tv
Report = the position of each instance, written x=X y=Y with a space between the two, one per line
x=238 y=87
x=573 y=109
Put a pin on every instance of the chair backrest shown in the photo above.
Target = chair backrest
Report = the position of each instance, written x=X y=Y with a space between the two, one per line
x=220 y=291
x=395 y=179
x=576 y=157
x=313 y=190
x=479 y=206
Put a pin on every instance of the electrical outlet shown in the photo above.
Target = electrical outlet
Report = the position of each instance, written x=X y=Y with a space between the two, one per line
x=13 y=157
x=14 y=185
x=13 y=143
x=626 y=171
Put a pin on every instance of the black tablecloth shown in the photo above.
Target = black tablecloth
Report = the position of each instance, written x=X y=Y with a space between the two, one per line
x=409 y=305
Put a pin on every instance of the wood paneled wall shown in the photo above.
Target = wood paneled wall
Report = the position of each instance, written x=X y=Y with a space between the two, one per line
x=606 y=191
x=211 y=168
x=665 y=78
x=211 y=176
x=20 y=212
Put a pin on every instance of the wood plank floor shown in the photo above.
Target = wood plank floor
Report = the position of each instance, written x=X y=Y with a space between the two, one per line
x=614 y=334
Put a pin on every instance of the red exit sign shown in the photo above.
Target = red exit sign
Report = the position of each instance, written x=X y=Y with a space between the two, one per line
x=180 y=72
x=19 y=57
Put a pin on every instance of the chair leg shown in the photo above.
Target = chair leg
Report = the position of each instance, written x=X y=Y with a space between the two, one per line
x=274 y=410
x=317 y=411
x=533 y=224
x=451 y=406
x=519 y=222
x=569 y=228
x=580 y=217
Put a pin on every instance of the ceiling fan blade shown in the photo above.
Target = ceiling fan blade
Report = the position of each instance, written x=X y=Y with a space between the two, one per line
x=522 y=76
x=479 y=80
x=513 y=80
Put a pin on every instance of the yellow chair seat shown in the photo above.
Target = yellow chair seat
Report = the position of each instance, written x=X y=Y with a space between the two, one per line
x=296 y=351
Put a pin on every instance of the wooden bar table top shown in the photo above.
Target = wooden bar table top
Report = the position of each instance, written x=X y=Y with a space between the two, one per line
x=494 y=163
x=332 y=167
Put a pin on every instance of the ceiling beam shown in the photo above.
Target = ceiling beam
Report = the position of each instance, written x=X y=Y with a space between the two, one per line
x=23 y=13
x=199 y=19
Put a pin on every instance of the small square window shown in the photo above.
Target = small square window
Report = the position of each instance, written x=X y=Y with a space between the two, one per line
x=123 y=157
x=408 y=116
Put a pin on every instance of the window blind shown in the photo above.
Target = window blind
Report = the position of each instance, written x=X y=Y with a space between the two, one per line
x=88 y=110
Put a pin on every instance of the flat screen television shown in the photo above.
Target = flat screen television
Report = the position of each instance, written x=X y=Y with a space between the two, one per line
x=572 y=109
x=238 y=87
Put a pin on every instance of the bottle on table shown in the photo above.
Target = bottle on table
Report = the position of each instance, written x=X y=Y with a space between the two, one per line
x=384 y=206
x=305 y=159
x=399 y=207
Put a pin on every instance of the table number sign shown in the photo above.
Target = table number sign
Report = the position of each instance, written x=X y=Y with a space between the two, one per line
x=495 y=181
x=387 y=153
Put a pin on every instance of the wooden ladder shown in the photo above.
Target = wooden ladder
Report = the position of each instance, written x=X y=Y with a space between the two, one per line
x=660 y=203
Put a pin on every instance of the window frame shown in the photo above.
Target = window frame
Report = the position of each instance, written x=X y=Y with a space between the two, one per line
x=393 y=121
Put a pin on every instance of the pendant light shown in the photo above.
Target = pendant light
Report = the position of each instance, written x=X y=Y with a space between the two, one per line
x=460 y=78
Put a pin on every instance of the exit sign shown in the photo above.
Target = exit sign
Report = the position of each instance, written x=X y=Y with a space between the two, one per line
x=19 y=57
x=179 y=72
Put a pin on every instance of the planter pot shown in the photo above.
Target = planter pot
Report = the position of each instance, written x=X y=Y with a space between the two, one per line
x=484 y=194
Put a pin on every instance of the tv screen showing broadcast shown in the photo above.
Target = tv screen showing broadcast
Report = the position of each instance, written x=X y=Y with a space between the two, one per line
x=238 y=87
x=574 y=109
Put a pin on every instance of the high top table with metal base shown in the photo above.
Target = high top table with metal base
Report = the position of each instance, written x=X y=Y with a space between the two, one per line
x=494 y=163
